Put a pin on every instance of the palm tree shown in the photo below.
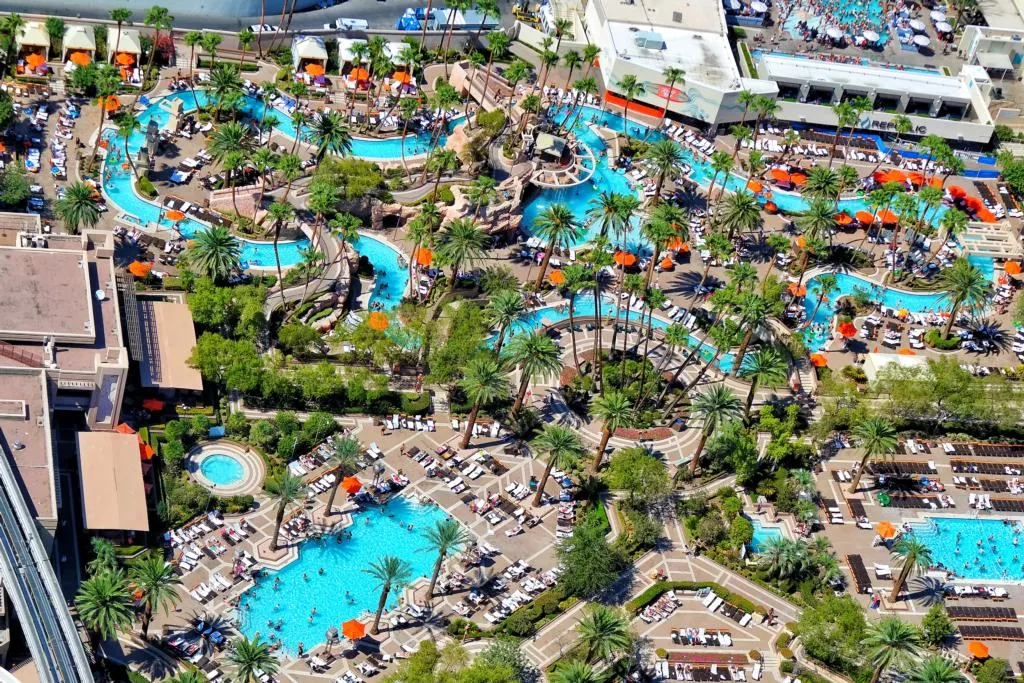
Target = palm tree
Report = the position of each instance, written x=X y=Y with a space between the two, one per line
x=765 y=108
x=571 y=60
x=345 y=460
x=331 y=135
x=575 y=671
x=611 y=211
x=191 y=675
x=754 y=311
x=561 y=446
x=665 y=158
x=289 y=491
x=157 y=581
x=823 y=287
x=497 y=44
x=846 y=116
x=119 y=15
x=671 y=75
x=504 y=309
x=389 y=572
x=892 y=642
x=55 y=31
x=107 y=83
x=578 y=277
x=289 y=166
x=78 y=207
x=953 y=224
x=246 y=37
x=446 y=536
x=537 y=357
x=481 y=193
x=720 y=163
x=629 y=87
x=158 y=19
x=215 y=253
x=937 y=669
x=557 y=226
x=104 y=603
x=279 y=213
x=816 y=223
x=210 y=42
x=615 y=410
x=408 y=109
x=603 y=631
x=742 y=213
x=127 y=123
x=764 y=367
x=228 y=137
x=251 y=659
x=713 y=408
x=912 y=556
x=461 y=243
x=225 y=85
x=263 y=159
x=484 y=382
x=962 y=284
x=822 y=183
x=775 y=245
x=876 y=436
x=439 y=162
x=664 y=223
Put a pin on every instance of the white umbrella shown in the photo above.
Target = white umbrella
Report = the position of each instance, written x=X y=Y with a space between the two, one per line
x=759 y=7
x=943 y=27
x=871 y=36
x=734 y=5
x=922 y=41
x=833 y=32
x=938 y=15
x=917 y=25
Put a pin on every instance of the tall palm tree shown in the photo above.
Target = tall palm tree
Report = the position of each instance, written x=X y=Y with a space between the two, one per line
x=445 y=537
x=604 y=631
x=408 y=108
x=665 y=158
x=671 y=75
x=720 y=163
x=754 y=311
x=158 y=19
x=461 y=243
x=289 y=167
x=557 y=226
x=389 y=572
x=191 y=40
x=152 y=575
x=537 y=357
x=598 y=259
x=611 y=212
x=765 y=109
x=439 y=162
x=822 y=183
x=210 y=42
x=952 y=224
x=576 y=671
x=345 y=460
x=484 y=382
x=128 y=123
x=331 y=135
x=937 y=669
x=876 y=437
x=912 y=556
x=119 y=15
x=846 y=116
x=279 y=213
x=629 y=87
x=248 y=659
x=215 y=253
x=571 y=60
x=892 y=642
x=615 y=410
x=962 y=284
x=289 y=491
x=775 y=245
x=246 y=37
x=497 y=43
x=504 y=309
x=823 y=288
x=104 y=603
x=764 y=367
x=578 y=278
x=713 y=408
x=481 y=193
x=665 y=222
x=78 y=207
x=741 y=213
x=106 y=83
x=561 y=446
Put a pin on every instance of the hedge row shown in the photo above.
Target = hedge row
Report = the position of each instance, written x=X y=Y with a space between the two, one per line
x=659 y=589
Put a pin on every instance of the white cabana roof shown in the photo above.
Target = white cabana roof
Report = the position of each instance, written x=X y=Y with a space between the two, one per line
x=995 y=60
x=345 y=49
x=33 y=34
x=308 y=48
x=79 y=37
x=129 y=41
x=394 y=49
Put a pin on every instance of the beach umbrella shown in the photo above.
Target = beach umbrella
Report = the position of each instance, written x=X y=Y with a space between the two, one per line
x=378 y=321
x=359 y=74
x=154 y=405
x=943 y=27
x=353 y=630
x=111 y=103
x=886 y=530
x=844 y=218
x=402 y=77
x=556 y=277
x=146 y=451
x=917 y=25
x=771 y=207
x=140 y=268
x=124 y=59
x=818 y=360
x=625 y=259
x=80 y=58
x=780 y=175
x=887 y=216
x=956 y=192
x=798 y=179
x=351 y=485
x=922 y=41
x=977 y=649
x=986 y=216
x=314 y=69
x=871 y=36
x=907 y=352
x=795 y=290
x=754 y=186
x=938 y=15
x=801 y=241
x=124 y=429
x=423 y=257
x=675 y=244
x=833 y=32
x=667 y=263
x=916 y=178
x=848 y=330
x=974 y=203
x=35 y=60
x=174 y=215
x=1012 y=267
x=759 y=7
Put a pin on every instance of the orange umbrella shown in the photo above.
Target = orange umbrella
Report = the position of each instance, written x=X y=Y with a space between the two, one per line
x=771 y=207
x=146 y=451
x=80 y=58
x=153 y=404
x=1012 y=267
x=894 y=176
x=140 y=269
x=124 y=429
x=556 y=277
x=886 y=530
x=848 y=330
x=314 y=69
x=986 y=216
x=667 y=263
x=625 y=259
x=818 y=360
x=916 y=177
x=402 y=77
x=780 y=175
x=353 y=630
x=798 y=179
x=887 y=216
x=111 y=103
x=378 y=321
x=351 y=485
x=423 y=256
x=977 y=649
x=935 y=182
x=797 y=291
x=865 y=217
x=907 y=352
x=124 y=59
x=685 y=248
x=974 y=203
x=35 y=60
x=801 y=241
x=359 y=74
x=957 y=192
x=754 y=186
x=844 y=218
x=174 y=215
x=675 y=243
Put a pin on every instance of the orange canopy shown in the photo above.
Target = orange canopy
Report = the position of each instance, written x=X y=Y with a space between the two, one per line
x=844 y=218
x=780 y=175
x=423 y=256
x=378 y=321
x=80 y=58
x=801 y=241
x=174 y=215
x=887 y=216
x=625 y=259
x=818 y=360
x=667 y=263
x=146 y=451
x=140 y=268
x=153 y=404
x=359 y=74
x=974 y=203
x=798 y=179
x=986 y=216
x=848 y=330
x=675 y=243
x=886 y=530
x=865 y=217
x=754 y=186
x=797 y=291
x=402 y=77
x=957 y=192
x=907 y=352
x=977 y=649
x=124 y=429
x=556 y=277
x=34 y=60
x=916 y=177
x=124 y=59
x=111 y=103
x=314 y=69
x=771 y=207
x=1012 y=267
x=353 y=630
x=351 y=485
x=891 y=176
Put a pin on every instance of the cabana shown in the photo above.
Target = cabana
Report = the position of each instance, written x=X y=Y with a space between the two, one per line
x=346 y=53
x=80 y=40
x=124 y=42
x=33 y=46
x=308 y=50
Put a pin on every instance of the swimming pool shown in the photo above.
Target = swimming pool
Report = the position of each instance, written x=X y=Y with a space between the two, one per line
x=762 y=535
x=391 y=271
x=222 y=469
x=984 y=549
x=375 y=533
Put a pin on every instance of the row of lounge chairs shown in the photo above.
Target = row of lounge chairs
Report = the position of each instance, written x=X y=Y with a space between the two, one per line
x=980 y=467
x=415 y=423
x=967 y=613
x=1010 y=633
x=711 y=637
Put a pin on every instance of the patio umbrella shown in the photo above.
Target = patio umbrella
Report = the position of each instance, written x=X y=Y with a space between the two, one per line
x=124 y=59
x=353 y=630
x=667 y=263
x=140 y=268
x=886 y=530
x=801 y=241
x=916 y=178
x=771 y=207
x=833 y=32
x=35 y=60
x=759 y=7
x=956 y=192
x=871 y=36
x=780 y=175
x=818 y=360
x=402 y=77
x=907 y=352
x=848 y=330
x=887 y=216
x=922 y=41
x=154 y=405
x=423 y=256
x=174 y=215
x=556 y=277
x=977 y=649
x=314 y=69
x=359 y=74
x=754 y=186
x=902 y=313
x=798 y=179
x=378 y=321
x=943 y=27
x=1012 y=267
x=938 y=15
x=986 y=216
x=351 y=485
x=625 y=259
x=124 y=429
x=80 y=58
x=797 y=291
x=917 y=25
x=675 y=244
x=111 y=103
x=974 y=203
x=844 y=218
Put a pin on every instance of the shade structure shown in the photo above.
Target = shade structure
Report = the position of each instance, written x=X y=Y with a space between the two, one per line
x=834 y=32
x=943 y=27
x=818 y=360
x=153 y=404
x=844 y=218
x=174 y=215
x=848 y=330
x=124 y=59
x=890 y=176
x=667 y=263
x=781 y=175
x=35 y=60
x=314 y=69
x=886 y=530
x=871 y=36
x=938 y=15
x=423 y=256
x=1012 y=267
x=754 y=186
x=801 y=241
x=353 y=630
x=111 y=103
x=556 y=277
x=146 y=451
x=402 y=77
x=986 y=216
x=956 y=192
x=887 y=216
x=351 y=485
x=907 y=352
x=140 y=268
x=124 y=429
x=80 y=58
x=917 y=24
x=922 y=41
x=977 y=649
x=378 y=321
x=771 y=207
x=974 y=203
x=625 y=259
x=796 y=290
x=359 y=74
x=798 y=179
x=675 y=243
x=916 y=177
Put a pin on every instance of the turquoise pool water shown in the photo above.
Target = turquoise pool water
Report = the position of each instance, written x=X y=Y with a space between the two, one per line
x=986 y=264
x=391 y=270
x=222 y=469
x=983 y=549
x=375 y=533
x=762 y=535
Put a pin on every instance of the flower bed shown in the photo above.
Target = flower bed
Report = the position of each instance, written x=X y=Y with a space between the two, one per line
x=651 y=434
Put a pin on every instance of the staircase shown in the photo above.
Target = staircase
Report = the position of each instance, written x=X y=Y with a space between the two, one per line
x=58 y=87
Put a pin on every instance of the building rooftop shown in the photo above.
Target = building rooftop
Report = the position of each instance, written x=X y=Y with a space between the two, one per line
x=705 y=56
x=25 y=436
x=691 y=15
x=168 y=337
x=113 y=493
x=46 y=293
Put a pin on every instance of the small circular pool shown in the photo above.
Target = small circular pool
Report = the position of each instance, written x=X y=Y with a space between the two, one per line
x=222 y=469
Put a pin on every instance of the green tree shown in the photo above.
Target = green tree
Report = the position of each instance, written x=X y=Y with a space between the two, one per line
x=604 y=632
x=345 y=460
x=78 y=207
x=590 y=564
x=712 y=408
x=912 y=556
x=993 y=670
x=891 y=643
x=876 y=437
x=629 y=87
x=248 y=659
x=537 y=357
x=461 y=243
x=831 y=630
x=504 y=309
x=279 y=213
x=740 y=213
x=962 y=284
x=643 y=476
x=104 y=604
x=937 y=669
x=483 y=383
x=561 y=446
x=389 y=572
x=331 y=135
x=936 y=626
x=446 y=537
x=158 y=19
x=215 y=253
x=157 y=581
x=557 y=226
x=289 y=491
x=764 y=367
x=615 y=410
x=575 y=671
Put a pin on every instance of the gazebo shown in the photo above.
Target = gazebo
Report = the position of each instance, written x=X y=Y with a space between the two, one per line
x=308 y=50
x=346 y=54
x=79 y=39
x=550 y=146
x=33 y=43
